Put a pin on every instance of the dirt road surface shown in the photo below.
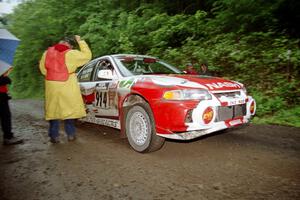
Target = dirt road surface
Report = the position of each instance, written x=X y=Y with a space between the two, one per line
x=255 y=162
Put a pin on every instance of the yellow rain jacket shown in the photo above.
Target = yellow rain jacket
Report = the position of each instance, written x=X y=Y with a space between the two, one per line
x=63 y=100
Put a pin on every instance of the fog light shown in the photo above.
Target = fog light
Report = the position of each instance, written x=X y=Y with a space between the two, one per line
x=208 y=115
x=252 y=108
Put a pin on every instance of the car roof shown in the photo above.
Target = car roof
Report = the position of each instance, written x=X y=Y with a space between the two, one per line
x=132 y=55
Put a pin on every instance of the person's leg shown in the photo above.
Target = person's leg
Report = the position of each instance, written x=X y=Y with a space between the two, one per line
x=54 y=131
x=70 y=128
x=5 y=116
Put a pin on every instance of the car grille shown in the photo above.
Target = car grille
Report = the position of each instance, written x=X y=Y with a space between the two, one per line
x=228 y=94
x=230 y=112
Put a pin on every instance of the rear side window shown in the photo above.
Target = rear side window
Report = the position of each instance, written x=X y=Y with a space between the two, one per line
x=86 y=73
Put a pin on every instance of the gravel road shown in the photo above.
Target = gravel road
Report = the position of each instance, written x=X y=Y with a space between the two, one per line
x=254 y=162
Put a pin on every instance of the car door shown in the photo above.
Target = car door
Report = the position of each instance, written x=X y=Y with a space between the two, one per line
x=87 y=85
x=105 y=104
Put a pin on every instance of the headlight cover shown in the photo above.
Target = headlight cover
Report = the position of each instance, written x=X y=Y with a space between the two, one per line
x=187 y=94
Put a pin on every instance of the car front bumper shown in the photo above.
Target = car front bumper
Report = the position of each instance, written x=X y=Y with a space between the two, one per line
x=221 y=120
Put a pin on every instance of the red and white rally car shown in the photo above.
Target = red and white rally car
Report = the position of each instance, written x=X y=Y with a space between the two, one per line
x=150 y=100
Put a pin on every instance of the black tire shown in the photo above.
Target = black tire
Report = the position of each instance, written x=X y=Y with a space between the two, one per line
x=140 y=129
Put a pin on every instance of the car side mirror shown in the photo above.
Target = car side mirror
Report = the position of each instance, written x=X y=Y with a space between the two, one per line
x=105 y=74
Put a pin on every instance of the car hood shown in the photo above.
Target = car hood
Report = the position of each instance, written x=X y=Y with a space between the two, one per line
x=196 y=81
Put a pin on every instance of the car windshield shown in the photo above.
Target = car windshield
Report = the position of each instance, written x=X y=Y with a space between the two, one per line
x=130 y=65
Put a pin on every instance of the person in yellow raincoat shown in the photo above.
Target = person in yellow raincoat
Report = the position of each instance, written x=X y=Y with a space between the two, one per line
x=63 y=100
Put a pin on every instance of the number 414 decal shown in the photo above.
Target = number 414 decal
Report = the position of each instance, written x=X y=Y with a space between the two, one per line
x=102 y=99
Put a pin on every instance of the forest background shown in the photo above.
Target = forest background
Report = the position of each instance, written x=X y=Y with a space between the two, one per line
x=251 y=41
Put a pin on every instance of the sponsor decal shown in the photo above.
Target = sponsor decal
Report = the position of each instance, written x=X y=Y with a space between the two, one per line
x=220 y=85
x=101 y=121
x=105 y=100
x=102 y=99
x=172 y=81
x=86 y=73
x=102 y=86
x=126 y=83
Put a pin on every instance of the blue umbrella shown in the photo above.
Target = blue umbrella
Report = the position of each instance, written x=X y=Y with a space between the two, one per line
x=8 y=46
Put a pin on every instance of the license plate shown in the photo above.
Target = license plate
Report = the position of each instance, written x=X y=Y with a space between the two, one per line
x=235 y=122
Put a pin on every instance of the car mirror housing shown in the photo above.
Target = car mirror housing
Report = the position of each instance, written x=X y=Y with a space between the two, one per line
x=105 y=74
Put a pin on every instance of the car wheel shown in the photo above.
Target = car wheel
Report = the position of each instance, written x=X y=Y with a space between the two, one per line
x=140 y=129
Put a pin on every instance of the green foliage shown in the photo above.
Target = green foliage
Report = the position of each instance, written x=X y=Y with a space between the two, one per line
x=267 y=105
x=286 y=116
x=239 y=39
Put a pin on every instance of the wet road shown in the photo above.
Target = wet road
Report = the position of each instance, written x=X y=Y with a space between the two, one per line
x=255 y=162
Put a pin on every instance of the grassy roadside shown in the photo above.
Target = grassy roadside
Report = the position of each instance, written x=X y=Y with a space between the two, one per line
x=285 y=117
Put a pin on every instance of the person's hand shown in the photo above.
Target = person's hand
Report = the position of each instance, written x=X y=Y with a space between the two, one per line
x=77 y=38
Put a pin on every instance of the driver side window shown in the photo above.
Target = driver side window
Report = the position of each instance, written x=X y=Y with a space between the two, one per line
x=103 y=65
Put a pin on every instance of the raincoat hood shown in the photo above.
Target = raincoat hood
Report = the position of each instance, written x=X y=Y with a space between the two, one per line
x=61 y=47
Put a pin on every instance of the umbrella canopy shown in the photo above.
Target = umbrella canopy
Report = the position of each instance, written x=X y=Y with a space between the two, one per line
x=8 y=46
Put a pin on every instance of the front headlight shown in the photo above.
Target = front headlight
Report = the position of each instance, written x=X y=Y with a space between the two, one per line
x=192 y=94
